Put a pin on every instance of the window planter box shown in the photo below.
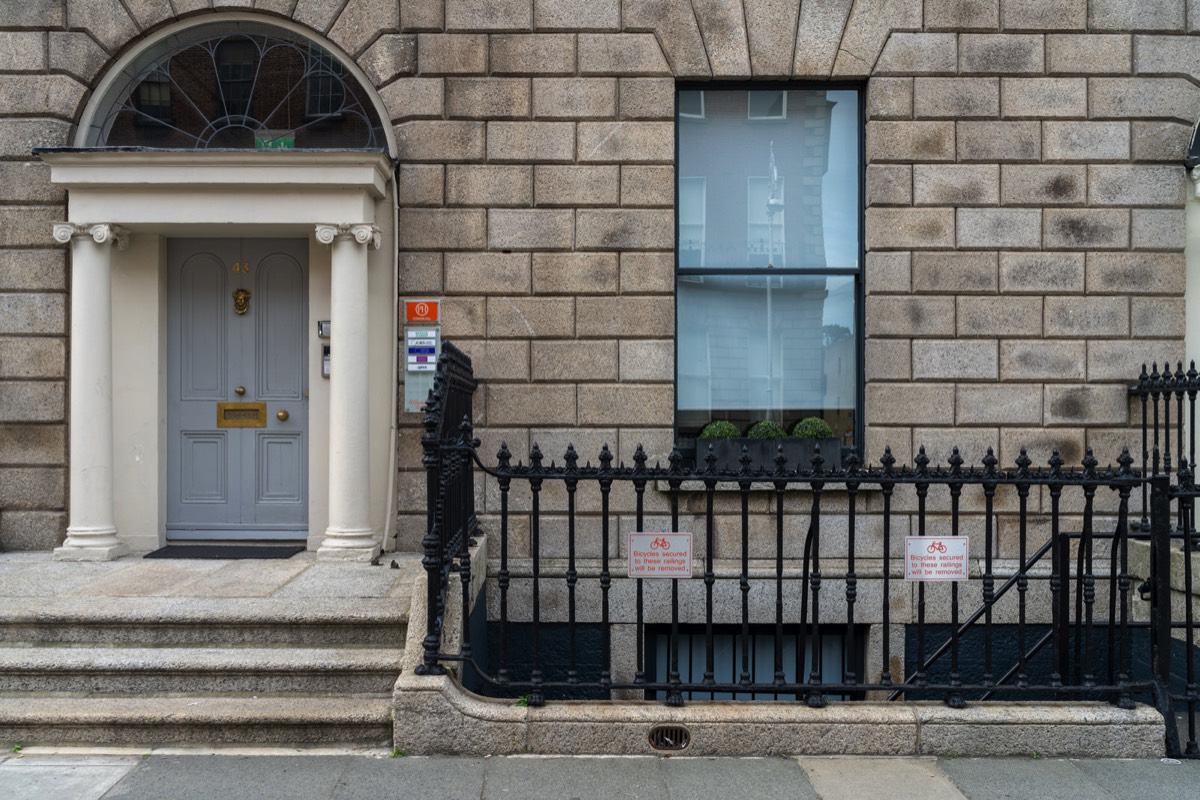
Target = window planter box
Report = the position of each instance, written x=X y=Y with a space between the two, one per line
x=799 y=453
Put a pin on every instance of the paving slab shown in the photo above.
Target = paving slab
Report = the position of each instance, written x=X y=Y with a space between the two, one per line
x=771 y=778
x=149 y=579
x=343 y=580
x=244 y=578
x=413 y=777
x=566 y=778
x=1020 y=779
x=1159 y=779
x=61 y=778
x=106 y=759
x=853 y=778
x=50 y=579
x=260 y=777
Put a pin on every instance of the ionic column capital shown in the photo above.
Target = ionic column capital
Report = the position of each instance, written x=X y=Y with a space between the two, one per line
x=363 y=233
x=100 y=233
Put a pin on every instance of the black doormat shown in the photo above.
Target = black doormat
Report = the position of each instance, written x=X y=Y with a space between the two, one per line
x=225 y=551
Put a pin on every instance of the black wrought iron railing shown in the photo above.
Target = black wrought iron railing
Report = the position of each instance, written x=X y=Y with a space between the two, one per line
x=450 y=487
x=1167 y=401
x=786 y=557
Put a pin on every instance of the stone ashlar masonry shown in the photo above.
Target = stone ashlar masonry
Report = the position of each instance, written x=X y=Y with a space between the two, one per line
x=1024 y=221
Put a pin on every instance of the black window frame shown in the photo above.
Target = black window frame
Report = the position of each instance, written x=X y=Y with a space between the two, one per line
x=859 y=275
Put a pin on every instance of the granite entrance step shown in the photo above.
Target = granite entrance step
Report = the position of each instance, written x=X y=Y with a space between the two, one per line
x=134 y=670
x=136 y=651
x=171 y=621
x=187 y=719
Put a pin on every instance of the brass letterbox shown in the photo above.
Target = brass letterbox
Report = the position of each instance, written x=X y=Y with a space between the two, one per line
x=241 y=415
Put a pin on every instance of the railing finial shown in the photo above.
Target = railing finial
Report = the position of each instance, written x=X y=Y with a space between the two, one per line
x=888 y=461
x=606 y=458
x=922 y=461
x=1056 y=463
x=1024 y=462
x=989 y=463
x=956 y=462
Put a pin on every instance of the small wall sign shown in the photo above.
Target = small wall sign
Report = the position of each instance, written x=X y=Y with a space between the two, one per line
x=660 y=555
x=422 y=344
x=936 y=558
x=422 y=311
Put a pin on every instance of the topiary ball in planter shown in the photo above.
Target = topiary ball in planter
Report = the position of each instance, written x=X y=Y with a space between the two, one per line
x=812 y=428
x=763 y=441
x=766 y=429
x=720 y=429
x=813 y=432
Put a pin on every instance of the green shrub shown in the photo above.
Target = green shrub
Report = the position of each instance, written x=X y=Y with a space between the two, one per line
x=720 y=429
x=812 y=428
x=766 y=429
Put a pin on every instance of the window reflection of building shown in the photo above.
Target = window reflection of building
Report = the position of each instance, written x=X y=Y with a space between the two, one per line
x=691 y=222
x=690 y=105
x=766 y=326
x=153 y=99
x=765 y=231
x=325 y=92
x=767 y=105
x=236 y=59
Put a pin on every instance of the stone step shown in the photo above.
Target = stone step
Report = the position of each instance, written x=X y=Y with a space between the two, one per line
x=136 y=670
x=148 y=621
x=357 y=720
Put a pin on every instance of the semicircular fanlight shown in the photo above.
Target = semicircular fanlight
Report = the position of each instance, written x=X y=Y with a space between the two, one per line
x=237 y=86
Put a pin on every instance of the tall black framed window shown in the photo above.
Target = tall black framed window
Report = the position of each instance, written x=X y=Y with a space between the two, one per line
x=769 y=257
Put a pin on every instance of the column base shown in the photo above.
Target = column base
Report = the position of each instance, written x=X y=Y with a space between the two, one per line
x=109 y=552
x=349 y=545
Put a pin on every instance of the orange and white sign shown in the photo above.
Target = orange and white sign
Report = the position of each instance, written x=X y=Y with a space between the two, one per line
x=660 y=555
x=936 y=558
x=421 y=310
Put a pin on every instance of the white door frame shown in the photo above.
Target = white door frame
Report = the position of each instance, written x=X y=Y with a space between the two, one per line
x=343 y=203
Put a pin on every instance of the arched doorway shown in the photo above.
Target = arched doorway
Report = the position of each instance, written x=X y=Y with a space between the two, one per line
x=230 y=188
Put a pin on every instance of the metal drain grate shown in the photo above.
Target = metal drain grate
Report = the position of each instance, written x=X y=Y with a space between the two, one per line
x=669 y=737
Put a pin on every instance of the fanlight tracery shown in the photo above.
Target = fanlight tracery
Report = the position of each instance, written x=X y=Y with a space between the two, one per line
x=237 y=86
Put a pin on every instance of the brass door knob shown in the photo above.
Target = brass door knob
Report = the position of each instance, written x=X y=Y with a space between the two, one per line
x=239 y=391
x=281 y=416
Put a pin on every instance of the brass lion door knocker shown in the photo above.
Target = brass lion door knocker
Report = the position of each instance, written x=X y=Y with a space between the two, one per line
x=241 y=301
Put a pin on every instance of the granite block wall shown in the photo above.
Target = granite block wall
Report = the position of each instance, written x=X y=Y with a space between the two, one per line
x=1025 y=207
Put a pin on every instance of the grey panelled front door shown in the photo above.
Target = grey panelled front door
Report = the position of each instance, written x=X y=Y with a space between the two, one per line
x=237 y=389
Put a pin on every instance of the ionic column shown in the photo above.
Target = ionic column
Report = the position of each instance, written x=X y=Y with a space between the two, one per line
x=349 y=535
x=92 y=532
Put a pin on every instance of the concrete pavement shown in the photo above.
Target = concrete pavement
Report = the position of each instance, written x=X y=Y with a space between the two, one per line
x=328 y=774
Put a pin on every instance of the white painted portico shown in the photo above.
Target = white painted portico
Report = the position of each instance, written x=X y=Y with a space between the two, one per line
x=341 y=202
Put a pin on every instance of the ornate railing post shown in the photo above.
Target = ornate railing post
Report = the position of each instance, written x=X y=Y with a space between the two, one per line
x=449 y=497
x=1160 y=602
x=432 y=560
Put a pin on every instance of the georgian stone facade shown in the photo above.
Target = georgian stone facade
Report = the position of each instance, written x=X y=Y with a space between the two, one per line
x=1025 y=214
